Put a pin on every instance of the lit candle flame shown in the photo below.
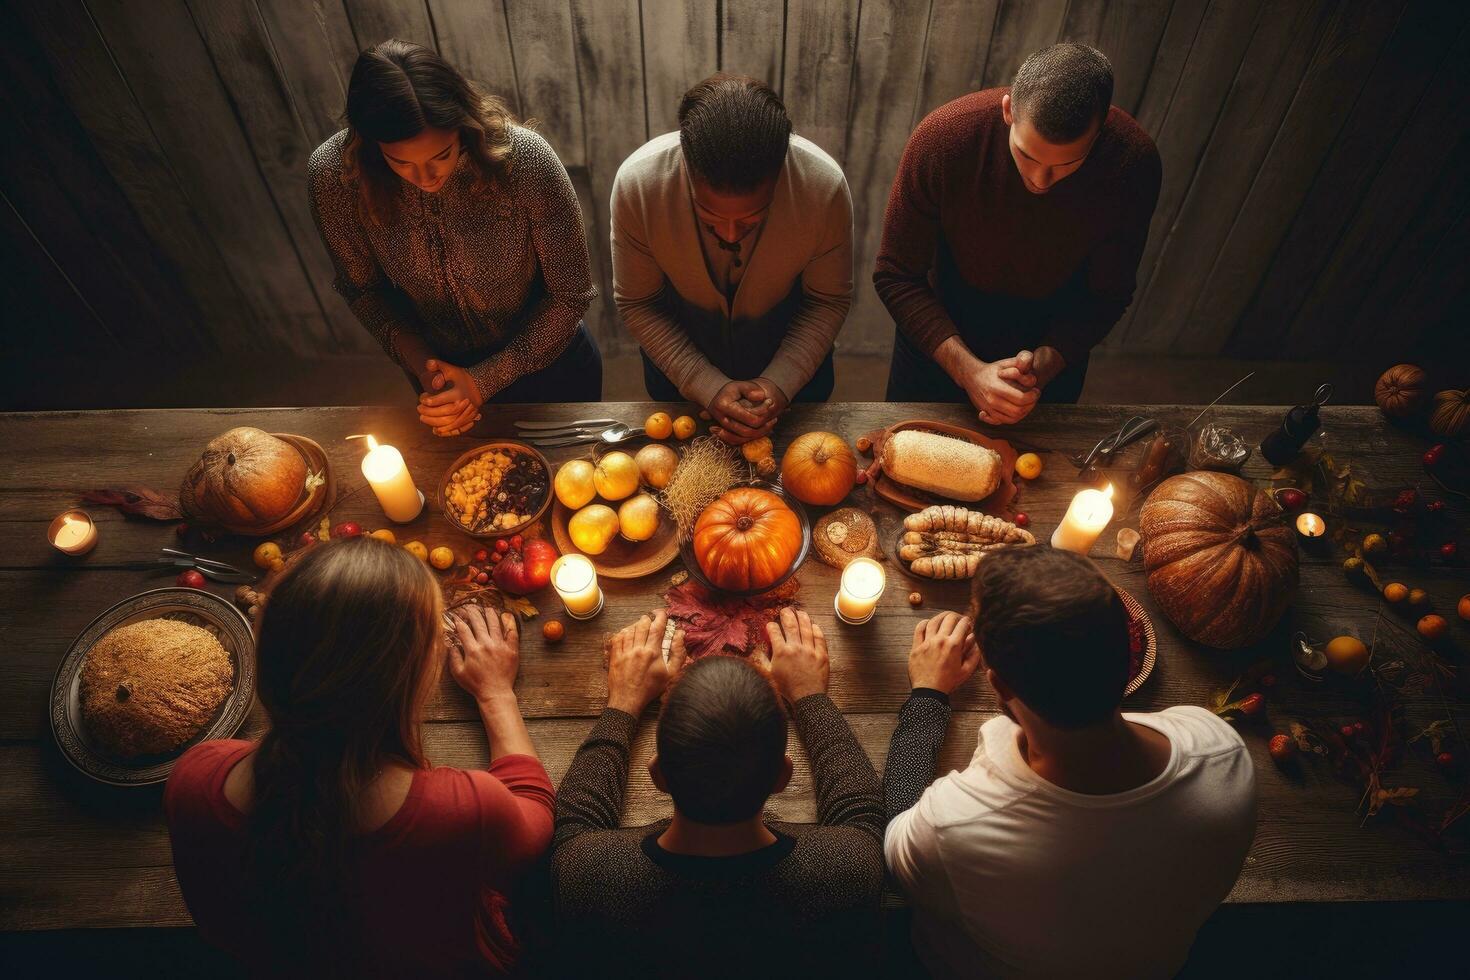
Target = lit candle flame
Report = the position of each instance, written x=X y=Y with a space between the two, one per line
x=1108 y=492
x=372 y=443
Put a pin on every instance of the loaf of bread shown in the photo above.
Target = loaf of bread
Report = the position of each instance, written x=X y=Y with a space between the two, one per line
x=941 y=464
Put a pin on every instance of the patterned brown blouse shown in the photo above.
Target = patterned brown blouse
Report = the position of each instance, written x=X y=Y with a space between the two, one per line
x=502 y=276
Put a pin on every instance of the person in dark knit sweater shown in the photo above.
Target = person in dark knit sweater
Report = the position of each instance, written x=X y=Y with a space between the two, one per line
x=1013 y=235
x=720 y=889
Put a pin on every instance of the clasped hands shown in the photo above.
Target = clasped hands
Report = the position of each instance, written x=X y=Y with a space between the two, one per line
x=745 y=410
x=450 y=403
x=1006 y=390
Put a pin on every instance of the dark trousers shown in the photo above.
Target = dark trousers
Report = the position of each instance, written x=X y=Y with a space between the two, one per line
x=661 y=389
x=575 y=376
x=913 y=377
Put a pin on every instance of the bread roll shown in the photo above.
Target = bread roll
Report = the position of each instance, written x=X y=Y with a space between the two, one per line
x=941 y=464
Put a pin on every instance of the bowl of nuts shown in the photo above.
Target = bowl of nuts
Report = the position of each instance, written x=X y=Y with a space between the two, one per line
x=496 y=489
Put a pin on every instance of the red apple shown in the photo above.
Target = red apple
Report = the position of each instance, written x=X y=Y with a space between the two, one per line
x=525 y=569
x=190 y=579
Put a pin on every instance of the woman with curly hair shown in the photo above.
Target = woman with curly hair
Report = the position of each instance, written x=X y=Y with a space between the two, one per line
x=457 y=240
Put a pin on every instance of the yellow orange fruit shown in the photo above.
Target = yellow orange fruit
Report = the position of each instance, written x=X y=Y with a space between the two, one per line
x=1374 y=544
x=616 y=476
x=1028 y=466
x=1464 y=607
x=1432 y=627
x=592 y=528
x=656 y=464
x=267 y=553
x=1396 y=592
x=638 y=517
x=573 y=483
x=1346 y=654
x=1419 y=599
x=385 y=534
x=683 y=427
x=417 y=549
x=658 y=425
x=441 y=557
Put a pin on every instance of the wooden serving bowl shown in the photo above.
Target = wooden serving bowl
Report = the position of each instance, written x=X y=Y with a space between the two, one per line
x=913 y=499
x=621 y=558
x=511 y=446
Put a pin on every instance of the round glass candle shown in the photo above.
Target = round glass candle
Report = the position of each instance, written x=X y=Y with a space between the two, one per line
x=73 y=533
x=1309 y=525
x=575 y=579
x=862 y=584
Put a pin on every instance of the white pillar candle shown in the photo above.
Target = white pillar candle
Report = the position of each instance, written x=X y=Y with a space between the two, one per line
x=857 y=595
x=575 y=580
x=386 y=473
x=1309 y=525
x=73 y=533
x=1085 y=519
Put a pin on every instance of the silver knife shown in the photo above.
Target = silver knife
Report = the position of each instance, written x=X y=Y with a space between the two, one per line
x=544 y=427
x=219 y=575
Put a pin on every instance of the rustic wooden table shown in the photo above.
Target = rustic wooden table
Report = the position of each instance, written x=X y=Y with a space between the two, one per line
x=75 y=854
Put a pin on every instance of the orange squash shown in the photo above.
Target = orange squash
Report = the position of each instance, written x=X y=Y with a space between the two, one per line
x=245 y=478
x=819 y=469
x=1221 y=562
x=1400 y=391
x=747 y=539
x=1450 y=413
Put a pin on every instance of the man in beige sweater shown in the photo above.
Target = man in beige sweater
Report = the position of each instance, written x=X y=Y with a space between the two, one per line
x=732 y=258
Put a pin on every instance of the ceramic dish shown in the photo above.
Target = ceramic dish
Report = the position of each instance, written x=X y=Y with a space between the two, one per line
x=686 y=549
x=198 y=608
x=912 y=499
x=536 y=509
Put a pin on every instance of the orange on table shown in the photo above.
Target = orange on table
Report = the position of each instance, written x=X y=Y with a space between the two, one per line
x=1028 y=466
x=683 y=427
x=1464 y=607
x=1396 y=592
x=266 y=554
x=1346 y=654
x=385 y=534
x=1432 y=627
x=417 y=549
x=441 y=557
x=658 y=425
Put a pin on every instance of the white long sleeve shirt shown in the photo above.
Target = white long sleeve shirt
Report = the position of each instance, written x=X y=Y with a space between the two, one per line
x=1013 y=876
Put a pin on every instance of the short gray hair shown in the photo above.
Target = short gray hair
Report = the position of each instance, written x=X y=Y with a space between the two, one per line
x=1063 y=90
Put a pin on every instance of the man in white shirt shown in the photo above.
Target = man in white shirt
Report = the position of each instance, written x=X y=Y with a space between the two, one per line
x=1080 y=840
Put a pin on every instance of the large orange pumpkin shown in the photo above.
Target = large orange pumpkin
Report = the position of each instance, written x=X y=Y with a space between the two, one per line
x=819 y=469
x=244 y=479
x=1221 y=562
x=1400 y=391
x=747 y=539
x=1450 y=413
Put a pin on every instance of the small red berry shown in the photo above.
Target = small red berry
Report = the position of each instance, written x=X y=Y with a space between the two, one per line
x=1433 y=454
x=1252 y=705
x=1023 y=520
x=1434 y=506
x=1445 y=760
x=306 y=540
x=495 y=558
x=516 y=541
x=181 y=529
x=1347 y=732
x=190 y=579
x=1359 y=728
x=482 y=555
x=1448 y=550
x=483 y=578
x=1291 y=498
x=1282 y=748
x=502 y=545
x=1404 y=502
x=347 y=529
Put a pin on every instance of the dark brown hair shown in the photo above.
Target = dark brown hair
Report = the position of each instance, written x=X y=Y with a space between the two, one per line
x=734 y=132
x=399 y=89
x=347 y=655
x=1063 y=90
x=1053 y=629
x=721 y=740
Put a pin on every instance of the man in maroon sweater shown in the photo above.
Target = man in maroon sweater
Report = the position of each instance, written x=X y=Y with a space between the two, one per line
x=1013 y=235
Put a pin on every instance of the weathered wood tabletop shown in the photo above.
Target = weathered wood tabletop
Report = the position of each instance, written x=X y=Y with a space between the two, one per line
x=75 y=854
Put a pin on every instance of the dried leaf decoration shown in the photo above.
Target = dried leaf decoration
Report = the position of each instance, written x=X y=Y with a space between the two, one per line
x=135 y=500
x=715 y=623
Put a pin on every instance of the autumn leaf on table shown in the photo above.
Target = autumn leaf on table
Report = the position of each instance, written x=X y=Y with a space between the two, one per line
x=712 y=623
x=135 y=500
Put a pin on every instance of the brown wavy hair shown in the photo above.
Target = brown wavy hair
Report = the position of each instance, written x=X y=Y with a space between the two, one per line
x=398 y=89
x=348 y=652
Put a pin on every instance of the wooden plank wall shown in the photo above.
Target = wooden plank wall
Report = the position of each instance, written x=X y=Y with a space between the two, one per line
x=1314 y=200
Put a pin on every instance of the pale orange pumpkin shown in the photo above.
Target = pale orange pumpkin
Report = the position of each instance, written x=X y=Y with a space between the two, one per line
x=244 y=479
x=819 y=469
x=1221 y=562
x=1450 y=413
x=1400 y=391
x=747 y=539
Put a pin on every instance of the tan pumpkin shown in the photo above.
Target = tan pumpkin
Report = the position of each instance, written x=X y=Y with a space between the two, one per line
x=1221 y=561
x=819 y=469
x=1400 y=391
x=747 y=539
x=1450 y=413
x=244 y=479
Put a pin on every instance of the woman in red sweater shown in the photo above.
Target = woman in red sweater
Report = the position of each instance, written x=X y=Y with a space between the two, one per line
x=332 y=846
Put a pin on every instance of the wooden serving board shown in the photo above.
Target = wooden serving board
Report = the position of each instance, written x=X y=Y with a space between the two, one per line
x=623 y=558
x=913 y=499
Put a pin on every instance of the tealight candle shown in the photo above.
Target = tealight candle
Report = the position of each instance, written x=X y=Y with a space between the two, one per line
x=1085 y=519
x=857 y=595
x=575 y=580
x=73 y=533
x=387 y=474
x=1309 y=525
